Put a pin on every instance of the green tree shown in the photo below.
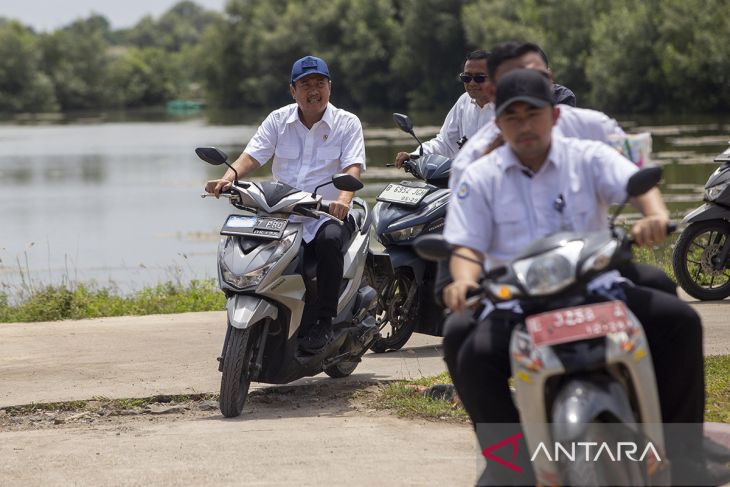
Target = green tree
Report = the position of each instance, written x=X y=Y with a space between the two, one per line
x=623 y=69
x=23 y=85
x=430 y=53
x=76 y=58
x=143 y=77
x=694 y=55
x=182 y=25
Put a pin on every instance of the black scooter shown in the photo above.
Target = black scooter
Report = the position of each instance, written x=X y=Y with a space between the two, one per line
x=404 y=281
x=700 y=259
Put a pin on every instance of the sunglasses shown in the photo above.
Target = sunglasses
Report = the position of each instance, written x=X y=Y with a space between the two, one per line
x=478 y=78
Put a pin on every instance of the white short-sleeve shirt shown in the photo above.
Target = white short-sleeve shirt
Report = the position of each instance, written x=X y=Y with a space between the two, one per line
x=464 y=119
x=581 y=123
x=305 y=158
x=500 y=207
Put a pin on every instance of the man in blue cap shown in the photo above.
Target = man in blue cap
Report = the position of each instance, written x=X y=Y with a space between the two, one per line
x=310 y=141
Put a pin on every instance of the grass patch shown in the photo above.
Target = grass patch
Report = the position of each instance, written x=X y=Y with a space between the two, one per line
x=660 y=257
x=402 y=398
x=717 y=385
x=64 y=302
x=106 y=403
x=405 y=401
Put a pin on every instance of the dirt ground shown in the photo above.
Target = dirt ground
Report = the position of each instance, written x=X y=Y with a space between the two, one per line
x=316 y=431
x=326 y=433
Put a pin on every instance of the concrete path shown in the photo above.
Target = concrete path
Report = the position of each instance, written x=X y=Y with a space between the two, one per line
x=320 y=442
x=141 y=356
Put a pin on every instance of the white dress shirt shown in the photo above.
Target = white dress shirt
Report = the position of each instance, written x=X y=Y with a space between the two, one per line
x=580 y=123
x=500 y=207
x=464 y=119
x=305 y=158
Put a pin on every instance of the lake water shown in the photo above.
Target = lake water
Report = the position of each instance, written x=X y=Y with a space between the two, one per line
x=119 y=203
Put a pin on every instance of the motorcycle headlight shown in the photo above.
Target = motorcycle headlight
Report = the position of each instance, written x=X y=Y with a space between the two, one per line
x=601 y=259
x=406 y=233
x=250 y=279
x=712 y=193
x=253 y=277
x=549 y=272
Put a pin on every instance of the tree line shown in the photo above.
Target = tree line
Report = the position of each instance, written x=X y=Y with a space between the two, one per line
x=623 y=56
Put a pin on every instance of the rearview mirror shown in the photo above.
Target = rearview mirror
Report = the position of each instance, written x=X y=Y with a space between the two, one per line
x=346 y=182
x=211 y=155
x=403 y=122
x=432 y=247
x=643 y=180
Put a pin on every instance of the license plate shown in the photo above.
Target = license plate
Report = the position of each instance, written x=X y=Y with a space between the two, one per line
x=405 y=195
x=270 y=227
x=252 y=226
x=579 y=323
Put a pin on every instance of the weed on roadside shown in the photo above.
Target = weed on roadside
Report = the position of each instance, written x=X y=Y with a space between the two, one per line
x=63 y=302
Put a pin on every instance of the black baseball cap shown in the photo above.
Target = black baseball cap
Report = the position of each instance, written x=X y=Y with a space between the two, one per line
x=528 y=85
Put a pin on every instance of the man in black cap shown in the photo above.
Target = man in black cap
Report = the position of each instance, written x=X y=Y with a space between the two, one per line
x=310 y=141
x=512 y=193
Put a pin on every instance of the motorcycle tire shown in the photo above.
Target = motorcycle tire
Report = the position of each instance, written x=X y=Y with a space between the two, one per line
x=236 y=379
x=341 y=369
x=692 y=260
x=582 y=472
x=402 y=322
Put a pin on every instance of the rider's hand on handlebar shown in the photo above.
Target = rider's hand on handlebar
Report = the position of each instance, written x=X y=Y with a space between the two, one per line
x=338 y=209
x=455 y=293
x=215 y=186
x=400 y=158
x=650 y=230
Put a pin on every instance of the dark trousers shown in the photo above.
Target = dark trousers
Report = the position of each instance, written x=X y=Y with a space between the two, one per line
x=477 y=356
x=327 y=250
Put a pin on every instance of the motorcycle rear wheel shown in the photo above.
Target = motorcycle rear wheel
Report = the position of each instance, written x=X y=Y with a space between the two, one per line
x=692 y=260
x=236 y=378
x=390 y=314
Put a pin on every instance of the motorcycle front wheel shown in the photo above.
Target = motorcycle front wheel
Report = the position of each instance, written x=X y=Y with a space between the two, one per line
x=236 y=378
x=582 y=472
x=694 y=260
x=341 y=369
x=395 y=315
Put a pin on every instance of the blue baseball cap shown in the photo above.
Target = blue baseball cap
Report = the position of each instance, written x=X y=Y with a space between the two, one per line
x=309 y=65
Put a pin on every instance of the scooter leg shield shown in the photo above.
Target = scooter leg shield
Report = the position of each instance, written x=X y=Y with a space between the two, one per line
x=244 y=310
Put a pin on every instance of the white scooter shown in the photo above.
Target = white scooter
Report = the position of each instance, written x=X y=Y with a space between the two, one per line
x=261 y=270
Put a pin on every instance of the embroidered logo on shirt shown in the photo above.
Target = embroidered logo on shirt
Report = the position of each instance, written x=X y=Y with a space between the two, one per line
x=463 y=191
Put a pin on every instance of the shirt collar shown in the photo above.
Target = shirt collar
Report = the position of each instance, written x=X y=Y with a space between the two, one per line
x=473 y=101
x=509 y=158
x=328 y=117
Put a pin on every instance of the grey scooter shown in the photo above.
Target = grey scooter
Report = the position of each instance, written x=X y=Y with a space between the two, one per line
x=263 y=274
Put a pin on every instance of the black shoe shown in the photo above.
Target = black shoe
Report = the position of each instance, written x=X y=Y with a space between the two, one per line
x=317 y=337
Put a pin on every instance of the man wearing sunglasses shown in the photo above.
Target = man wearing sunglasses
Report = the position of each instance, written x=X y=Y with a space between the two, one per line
x=471 y=111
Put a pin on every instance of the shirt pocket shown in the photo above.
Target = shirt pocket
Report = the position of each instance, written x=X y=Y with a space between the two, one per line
x=287 y=151
x=328 y=154
x=511 y=234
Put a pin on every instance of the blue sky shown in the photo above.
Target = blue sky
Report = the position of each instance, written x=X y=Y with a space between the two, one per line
x=51 y=14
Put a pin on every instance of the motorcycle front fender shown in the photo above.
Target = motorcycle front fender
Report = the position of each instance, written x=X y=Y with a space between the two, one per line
x=407 y=257
x=580 y=402
x=245 y=310
x=708 y=211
